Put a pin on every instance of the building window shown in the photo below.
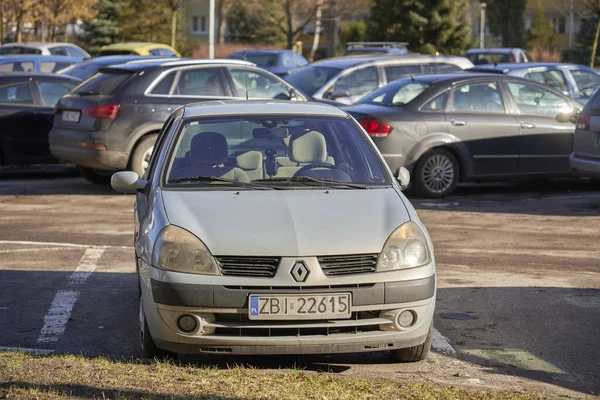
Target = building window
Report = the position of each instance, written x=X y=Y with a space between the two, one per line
x=527 y=22
x=198 y=24
x=202 y=24
x=559 y=24
x=194 y=24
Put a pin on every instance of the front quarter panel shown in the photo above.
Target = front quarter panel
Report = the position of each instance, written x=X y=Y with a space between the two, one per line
x=151 y=219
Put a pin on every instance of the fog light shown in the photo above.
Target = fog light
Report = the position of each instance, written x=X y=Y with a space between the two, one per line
x=406 y=319
x=187 y=323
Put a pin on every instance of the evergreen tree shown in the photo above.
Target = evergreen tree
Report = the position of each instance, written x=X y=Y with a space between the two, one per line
x=540 y=34
x=104 y=28
x=585 y=42
x=429 y=26
x=245 y=25
x=505 y=19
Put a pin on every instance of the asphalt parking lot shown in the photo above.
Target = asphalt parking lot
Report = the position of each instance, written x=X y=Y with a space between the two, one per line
x=518 y=282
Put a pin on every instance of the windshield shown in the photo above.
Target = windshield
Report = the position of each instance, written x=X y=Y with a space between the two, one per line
x=489 y=58
x=398 y=93
x=310 y=79
x=273 y=152
x=260 y=59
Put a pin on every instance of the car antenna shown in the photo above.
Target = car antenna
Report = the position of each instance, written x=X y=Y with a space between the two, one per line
x=246 y=73
x=412 y=77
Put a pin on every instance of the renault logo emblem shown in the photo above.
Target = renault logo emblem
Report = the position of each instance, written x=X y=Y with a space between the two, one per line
x=300 y=271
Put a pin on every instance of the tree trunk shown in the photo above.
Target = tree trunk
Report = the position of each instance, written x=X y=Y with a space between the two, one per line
x=2 y=25
x=595 y=47
x=220 y=23
x=317 y=37
x=173 y=27
x=331 y=28
x=19 y=19
x=289 y=22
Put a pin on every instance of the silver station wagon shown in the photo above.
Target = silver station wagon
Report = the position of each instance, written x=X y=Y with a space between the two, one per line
x=269 y=227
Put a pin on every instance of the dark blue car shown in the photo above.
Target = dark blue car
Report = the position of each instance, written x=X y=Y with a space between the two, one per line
x=33 y=63
x=278 y=62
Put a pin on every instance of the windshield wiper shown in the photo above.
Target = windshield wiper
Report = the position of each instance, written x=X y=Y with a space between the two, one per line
x=196 y=179
x=310 y=179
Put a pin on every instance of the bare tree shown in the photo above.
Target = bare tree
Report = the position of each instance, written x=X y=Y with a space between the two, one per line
x=317 y=36
x=21 y=9
x=289 y=16
x=62 y=12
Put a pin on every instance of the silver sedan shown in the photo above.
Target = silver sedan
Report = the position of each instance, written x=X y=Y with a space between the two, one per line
x=277 y=228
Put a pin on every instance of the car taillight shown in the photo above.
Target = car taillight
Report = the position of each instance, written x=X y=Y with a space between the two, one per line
x=107 y=111
x=583 y=121
x=513 y=57
x=375 y=128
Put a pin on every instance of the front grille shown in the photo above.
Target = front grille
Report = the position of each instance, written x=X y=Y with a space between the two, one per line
x=348 y=264
x=258 y=267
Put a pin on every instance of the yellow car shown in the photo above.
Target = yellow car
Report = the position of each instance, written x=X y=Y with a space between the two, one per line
x=138 y=48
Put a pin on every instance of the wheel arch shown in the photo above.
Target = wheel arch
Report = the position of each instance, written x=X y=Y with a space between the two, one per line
x=138 y=137
x=443 y=141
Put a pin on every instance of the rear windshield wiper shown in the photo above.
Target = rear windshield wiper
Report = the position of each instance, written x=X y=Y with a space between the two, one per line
x=195 y=179
x=310 y=179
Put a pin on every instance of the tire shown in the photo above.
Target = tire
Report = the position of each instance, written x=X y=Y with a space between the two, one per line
x=141 y=154
x=435 y=174
x=149 y=349
x=415 y=353
x=96 y=176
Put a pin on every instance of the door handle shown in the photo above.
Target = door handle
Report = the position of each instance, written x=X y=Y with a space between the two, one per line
x=458 y=123
x=527 y=125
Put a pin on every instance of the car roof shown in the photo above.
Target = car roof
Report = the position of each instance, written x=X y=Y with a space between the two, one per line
x=458 y=77
x=122 y=59
x=267 y=51
x=135 y=46
x=351 y=61
x=39 y=45
x=138 y=65
x=505 y=67
x=493 y=50
x=38 y=75
x=30 y=57
x=260 y=107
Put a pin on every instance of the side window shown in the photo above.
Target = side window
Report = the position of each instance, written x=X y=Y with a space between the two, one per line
x=75 y=52
x=200 y=82
x=554 y=79
x=47 y=66
x=437 y=104
x=160 y=141
x=478 y=97
x=359 y=82
x=260 y=85
x=287 y=60
x=300 y=61
x=53 y=91
x=587 y=82
x=167 y=53
x=394 y=72
x=533 y=100
x=25 y=66
x=156 y=52
x=164 y=86
x=59 y=51
x=16 y=93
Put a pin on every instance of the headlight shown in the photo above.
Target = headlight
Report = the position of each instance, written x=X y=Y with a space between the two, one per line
x=405 y=248
x=180 y=251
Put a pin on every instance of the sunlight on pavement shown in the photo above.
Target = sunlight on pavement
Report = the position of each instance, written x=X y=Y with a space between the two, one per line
x=519 y=358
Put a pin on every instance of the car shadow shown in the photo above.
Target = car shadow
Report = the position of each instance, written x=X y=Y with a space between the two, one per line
x=560 y=197
x=547 y=334
x=48 y=180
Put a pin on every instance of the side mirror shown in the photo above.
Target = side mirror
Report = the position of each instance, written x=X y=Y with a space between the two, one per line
x=403 y=177
x=570 y=116
x=127 y=182
x=337 y=93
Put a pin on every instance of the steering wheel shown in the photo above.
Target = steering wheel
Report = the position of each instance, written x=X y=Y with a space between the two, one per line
x=316 y=165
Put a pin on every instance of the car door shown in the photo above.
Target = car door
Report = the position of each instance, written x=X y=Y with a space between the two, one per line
x=479 y=117
x=18 y=123
x=544 y=143
x=49 y=91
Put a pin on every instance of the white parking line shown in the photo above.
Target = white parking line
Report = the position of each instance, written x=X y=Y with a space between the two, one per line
x=441 y=343
x=57 y=316
x=59 y=244
x=27 y=350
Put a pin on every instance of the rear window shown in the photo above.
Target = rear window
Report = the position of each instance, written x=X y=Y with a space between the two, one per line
x=103 y=82
x=24 y=66
x=489 y=58
x=118 y=53
x=399 y=93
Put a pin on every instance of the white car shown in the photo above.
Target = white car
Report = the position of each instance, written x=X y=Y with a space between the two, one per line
x=45 y=49
x=270 y=227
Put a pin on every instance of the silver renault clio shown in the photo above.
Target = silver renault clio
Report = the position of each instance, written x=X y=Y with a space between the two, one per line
x=277 y=228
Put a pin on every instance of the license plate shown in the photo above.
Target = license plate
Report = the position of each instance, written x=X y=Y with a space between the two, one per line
x=301 y=306
x=71 y=116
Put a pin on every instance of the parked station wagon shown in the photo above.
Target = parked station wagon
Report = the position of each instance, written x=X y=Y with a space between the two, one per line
x=274 y=227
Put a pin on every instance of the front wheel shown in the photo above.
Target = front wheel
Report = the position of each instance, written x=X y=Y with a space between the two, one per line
x=436 y=174
x=149 y=349
x=415 y=353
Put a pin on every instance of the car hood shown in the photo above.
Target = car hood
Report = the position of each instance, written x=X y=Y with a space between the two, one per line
x=288 y=223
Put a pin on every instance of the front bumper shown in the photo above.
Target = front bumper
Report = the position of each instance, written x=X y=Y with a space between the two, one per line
x=585 y=166
x=224 y=326
x=63 y=145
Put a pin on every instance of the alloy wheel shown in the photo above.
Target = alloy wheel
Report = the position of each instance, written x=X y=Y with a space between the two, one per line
x=438 y=173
